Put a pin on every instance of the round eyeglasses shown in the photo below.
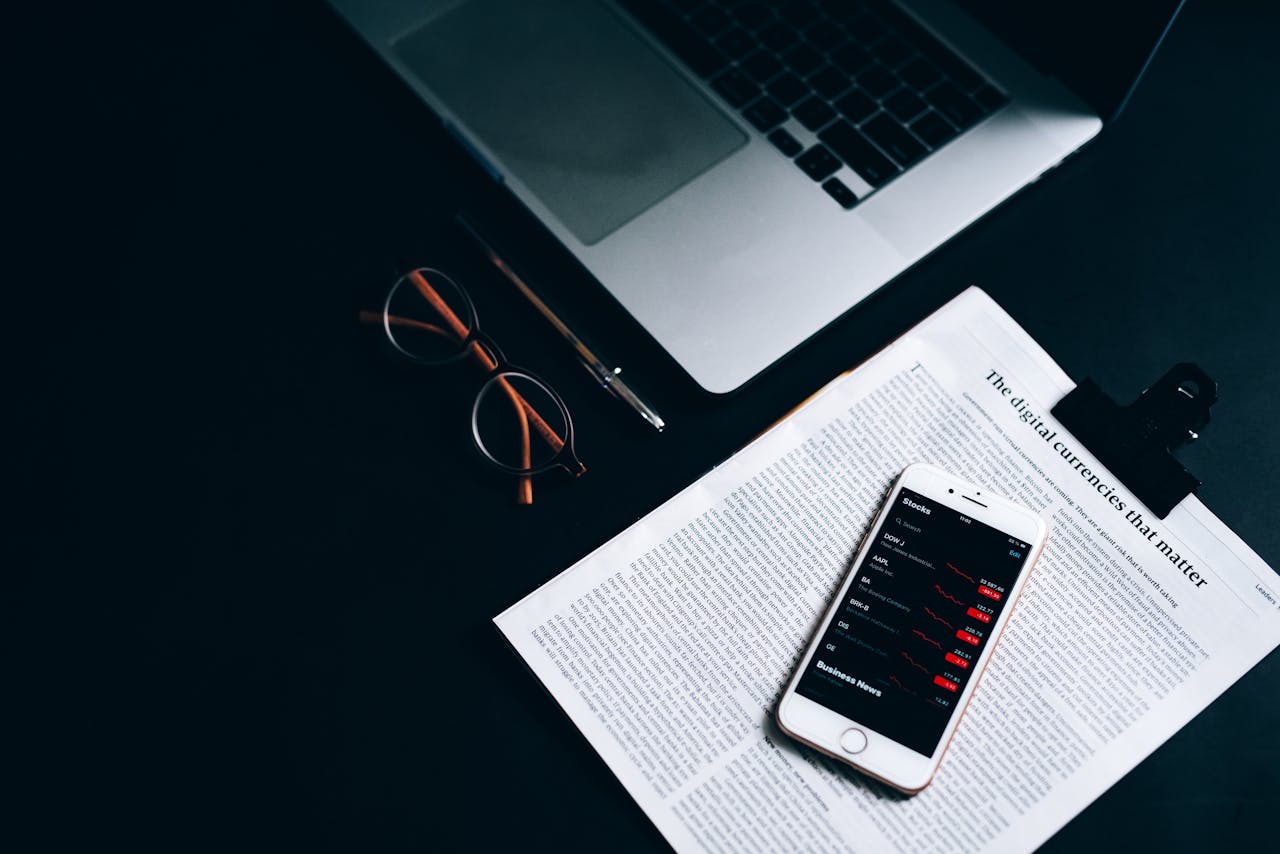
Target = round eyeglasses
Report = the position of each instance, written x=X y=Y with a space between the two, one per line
x=519 y=423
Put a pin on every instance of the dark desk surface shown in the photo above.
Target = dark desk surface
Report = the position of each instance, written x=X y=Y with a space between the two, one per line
x=257 y=593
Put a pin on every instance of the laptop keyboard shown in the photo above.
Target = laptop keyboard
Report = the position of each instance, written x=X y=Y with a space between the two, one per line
x=870 y=87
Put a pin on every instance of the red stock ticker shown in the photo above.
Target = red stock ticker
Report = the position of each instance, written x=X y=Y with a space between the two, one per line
x=980 y=616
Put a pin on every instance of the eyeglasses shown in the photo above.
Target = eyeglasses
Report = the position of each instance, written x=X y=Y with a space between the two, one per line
x=519 y=424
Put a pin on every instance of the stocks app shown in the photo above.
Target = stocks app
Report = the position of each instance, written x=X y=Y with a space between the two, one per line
x=902 y=645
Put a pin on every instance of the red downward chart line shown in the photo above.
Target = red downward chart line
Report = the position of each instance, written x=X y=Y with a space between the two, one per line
x=961 y=574
x=915 y=663
x=926 y=638
x=896 y=681
x=929 y=611
x=947 y=595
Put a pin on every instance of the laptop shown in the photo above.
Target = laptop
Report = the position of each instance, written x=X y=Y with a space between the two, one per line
x=737 y=173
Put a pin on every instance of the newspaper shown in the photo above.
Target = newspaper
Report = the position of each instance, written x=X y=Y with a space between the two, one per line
x=669 y=645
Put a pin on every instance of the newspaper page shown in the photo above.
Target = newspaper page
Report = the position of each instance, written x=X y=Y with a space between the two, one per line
x=669 y=645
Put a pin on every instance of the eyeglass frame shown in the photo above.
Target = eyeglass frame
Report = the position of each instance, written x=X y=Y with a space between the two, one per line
x=481 y=344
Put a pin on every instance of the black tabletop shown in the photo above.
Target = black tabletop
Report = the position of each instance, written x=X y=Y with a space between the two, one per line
x=253 y=602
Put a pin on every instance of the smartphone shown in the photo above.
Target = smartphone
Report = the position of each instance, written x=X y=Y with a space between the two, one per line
x=884 y=682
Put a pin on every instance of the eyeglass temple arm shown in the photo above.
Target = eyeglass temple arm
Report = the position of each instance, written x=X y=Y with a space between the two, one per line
x=525 y=407
x=525 y=492
x=459 y=329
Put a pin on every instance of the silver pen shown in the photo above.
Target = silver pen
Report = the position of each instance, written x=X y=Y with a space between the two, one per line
x=610 y=378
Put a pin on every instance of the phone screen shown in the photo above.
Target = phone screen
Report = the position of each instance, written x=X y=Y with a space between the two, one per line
x=904 y=641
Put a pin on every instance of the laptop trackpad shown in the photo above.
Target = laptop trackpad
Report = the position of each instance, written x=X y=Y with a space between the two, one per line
x=571 y=102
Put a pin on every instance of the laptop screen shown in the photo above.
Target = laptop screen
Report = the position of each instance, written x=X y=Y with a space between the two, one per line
x=1097 y=48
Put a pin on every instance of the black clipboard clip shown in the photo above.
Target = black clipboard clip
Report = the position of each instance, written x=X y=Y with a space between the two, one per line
x=1135 y=441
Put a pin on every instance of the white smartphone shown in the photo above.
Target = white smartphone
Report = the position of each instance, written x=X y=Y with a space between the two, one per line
x=886 y=678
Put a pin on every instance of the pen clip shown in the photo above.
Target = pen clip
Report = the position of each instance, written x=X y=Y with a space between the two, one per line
x=614 y=383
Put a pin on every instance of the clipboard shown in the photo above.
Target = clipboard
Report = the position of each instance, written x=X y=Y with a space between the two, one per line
x=1136 y=441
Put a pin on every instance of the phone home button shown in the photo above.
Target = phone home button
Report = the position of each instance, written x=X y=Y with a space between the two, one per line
x=854 y=740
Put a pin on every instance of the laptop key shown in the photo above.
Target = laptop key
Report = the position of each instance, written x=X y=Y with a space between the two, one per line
x=828 y=81
x=892 y=51
x=683 y=40
x=905 y=105
x=878 y=81
x=799 y=13
x=753 y=15
x=787 y=88
x=919 y=74
x=989 y=97
x=761 y=65
x=824 y=34
x=842 y=11
x=956 y=106
x=765 y=113
x=818 y=162
x=855 y=150
x=735 y=87
x=866 y=28
x=785 y=142
x=802 y=59
x=837 y=190
x=813 y=113
x=736 y=42
x=946 y=59
x=933 y=129
x=959 y=71
x=778 y=36
x=851 y=58
x=855 y=106
x=894 y=139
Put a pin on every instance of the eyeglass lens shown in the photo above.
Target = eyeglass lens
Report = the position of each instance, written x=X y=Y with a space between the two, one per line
x=429 y=317
x=518 y=422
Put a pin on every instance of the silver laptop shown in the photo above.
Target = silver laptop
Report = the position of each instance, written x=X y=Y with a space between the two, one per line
x=738 y=174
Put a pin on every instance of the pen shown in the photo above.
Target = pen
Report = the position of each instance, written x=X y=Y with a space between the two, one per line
x=610 y=378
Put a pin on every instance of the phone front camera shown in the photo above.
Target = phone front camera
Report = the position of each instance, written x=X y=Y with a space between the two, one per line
x=950 y=490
